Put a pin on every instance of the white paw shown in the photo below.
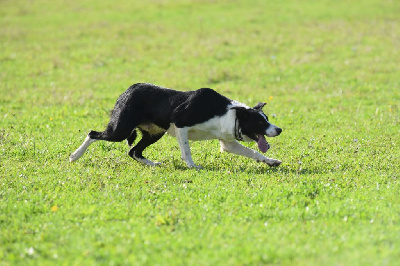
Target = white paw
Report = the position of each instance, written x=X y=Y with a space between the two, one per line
x=146 y=162
x=73 y=157
x=273 y=162
x=195 y=166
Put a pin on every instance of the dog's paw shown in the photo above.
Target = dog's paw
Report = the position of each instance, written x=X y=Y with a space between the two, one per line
x=273 y=162
x=199 y=167
x=73 y=157
x=194 y=166
x=146 y=161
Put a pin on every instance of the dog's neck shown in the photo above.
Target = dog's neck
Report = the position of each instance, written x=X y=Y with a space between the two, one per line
x=238 y=131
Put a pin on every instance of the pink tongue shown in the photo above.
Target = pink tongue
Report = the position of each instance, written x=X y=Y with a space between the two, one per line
x=262 y=144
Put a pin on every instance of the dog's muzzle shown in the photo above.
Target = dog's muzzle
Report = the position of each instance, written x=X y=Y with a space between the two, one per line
x=273 y=131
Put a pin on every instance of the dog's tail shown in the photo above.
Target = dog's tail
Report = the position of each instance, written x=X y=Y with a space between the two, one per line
x=81 y=150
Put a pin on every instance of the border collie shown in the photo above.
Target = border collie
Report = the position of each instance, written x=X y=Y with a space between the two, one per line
x=193 y=115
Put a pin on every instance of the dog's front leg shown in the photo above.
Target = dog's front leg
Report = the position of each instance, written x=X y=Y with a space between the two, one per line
x=237 y=148
x=182 y=136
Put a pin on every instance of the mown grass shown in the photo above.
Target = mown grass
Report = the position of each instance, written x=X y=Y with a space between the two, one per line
x=329 y=71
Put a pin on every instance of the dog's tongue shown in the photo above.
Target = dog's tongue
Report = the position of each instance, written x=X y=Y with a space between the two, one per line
x=262 y=144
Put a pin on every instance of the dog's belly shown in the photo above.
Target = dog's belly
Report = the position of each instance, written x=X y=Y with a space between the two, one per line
x=205 y=131
x=151 y=128
x=194 y=134
x=201 y=135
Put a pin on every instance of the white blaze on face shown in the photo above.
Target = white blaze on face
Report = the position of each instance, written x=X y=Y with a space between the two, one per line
x=264 y=116
x=271 y=130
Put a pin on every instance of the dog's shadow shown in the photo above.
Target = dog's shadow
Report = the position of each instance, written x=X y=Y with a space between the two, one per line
x=284 y=169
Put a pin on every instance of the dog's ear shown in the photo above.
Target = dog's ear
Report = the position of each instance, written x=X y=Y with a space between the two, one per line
x=259 y=106
x=241 y=112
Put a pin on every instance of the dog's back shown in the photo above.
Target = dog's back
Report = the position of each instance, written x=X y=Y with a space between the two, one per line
x=148 y=103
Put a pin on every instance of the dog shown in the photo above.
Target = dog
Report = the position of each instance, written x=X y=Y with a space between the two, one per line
x=201 y=114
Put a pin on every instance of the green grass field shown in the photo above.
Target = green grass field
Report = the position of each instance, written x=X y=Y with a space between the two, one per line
x=329 y=71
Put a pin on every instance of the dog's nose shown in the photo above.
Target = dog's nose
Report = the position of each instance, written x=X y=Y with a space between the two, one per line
x=278 y=130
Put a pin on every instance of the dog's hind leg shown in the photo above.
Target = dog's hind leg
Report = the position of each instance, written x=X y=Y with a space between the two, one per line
x=147 y=139
x=131 y=139
x=95 y=136
x=122 y=122
x=118 y=129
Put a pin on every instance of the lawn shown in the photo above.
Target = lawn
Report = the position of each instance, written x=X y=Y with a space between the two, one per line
x=329 y=71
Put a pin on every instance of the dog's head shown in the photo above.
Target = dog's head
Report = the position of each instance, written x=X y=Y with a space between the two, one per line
x=254 y=124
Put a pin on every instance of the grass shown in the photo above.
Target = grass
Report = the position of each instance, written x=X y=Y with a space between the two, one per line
x=329 y=71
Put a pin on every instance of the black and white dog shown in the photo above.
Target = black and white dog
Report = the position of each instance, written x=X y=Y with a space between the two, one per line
x=194 y=115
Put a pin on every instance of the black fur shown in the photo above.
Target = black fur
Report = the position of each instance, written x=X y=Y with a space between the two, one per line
x=137 y=105
x=131 y=139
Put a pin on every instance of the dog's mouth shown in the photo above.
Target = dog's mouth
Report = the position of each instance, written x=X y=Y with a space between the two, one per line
x=263 y=145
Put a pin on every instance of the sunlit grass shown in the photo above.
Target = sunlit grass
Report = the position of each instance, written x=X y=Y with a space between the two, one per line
x=328 y=70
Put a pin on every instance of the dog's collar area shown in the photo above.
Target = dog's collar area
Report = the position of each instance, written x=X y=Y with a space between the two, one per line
x=238 y=132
